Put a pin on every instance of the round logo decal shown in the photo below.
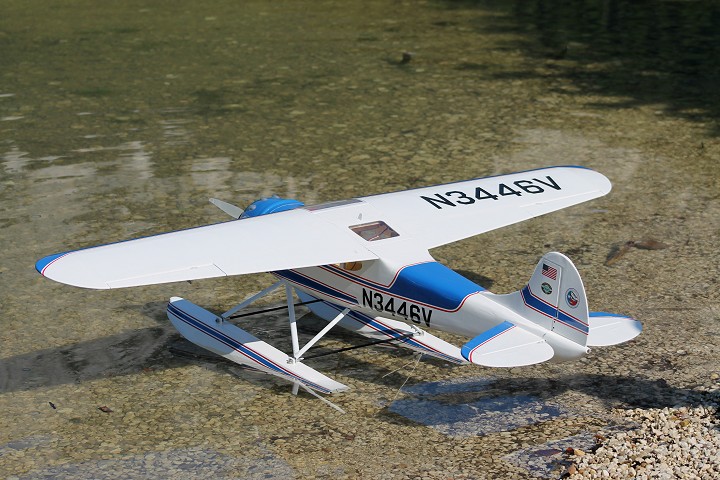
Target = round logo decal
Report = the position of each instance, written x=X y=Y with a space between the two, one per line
x=546 y=288
x=572 y=298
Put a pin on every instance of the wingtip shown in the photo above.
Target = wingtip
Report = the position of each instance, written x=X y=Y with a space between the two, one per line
x=42 y=264
x=602 y=182
x=46 y=267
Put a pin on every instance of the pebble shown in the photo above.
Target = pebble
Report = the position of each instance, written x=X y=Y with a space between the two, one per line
x=668 y=443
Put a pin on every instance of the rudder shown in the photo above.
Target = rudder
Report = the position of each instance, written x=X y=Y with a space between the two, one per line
x=554 y=298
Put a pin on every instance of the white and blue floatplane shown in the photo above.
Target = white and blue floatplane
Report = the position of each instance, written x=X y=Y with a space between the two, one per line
x=364 y=264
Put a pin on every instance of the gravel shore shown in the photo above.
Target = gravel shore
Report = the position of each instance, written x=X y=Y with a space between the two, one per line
x=667 y=443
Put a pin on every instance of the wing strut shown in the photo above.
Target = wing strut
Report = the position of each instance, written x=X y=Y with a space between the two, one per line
x=250 y=300
x=293 y=323
x=297 y=351
x=322 y=332
x=289 y=290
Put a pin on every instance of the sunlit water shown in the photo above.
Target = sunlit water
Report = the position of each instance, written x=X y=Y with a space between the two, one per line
x=121 y=120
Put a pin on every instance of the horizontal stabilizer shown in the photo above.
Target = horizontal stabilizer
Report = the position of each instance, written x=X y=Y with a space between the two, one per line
x=507 y=345
x=611 y=329
x=207 y=330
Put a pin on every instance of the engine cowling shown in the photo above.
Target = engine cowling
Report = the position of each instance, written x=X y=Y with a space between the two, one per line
x=274 y=204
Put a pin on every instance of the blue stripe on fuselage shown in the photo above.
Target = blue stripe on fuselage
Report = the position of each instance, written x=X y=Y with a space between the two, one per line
x=311 y=283
x=430 y=283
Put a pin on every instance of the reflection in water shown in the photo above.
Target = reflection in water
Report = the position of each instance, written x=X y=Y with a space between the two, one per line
x=210 y=173
x=137 y=159
x=15 y=161
x=188 y=463
x=434 y=406
x=63 y=173
x=175 y=132
x=649 y=52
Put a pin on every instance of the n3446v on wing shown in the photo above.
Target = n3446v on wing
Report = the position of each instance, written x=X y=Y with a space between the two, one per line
x=364 y=264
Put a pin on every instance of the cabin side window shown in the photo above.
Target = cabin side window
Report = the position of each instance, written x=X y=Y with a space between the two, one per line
x=350 y=266
x=374 y=231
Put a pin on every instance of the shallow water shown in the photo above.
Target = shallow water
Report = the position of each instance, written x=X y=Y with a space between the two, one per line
x=121 y=120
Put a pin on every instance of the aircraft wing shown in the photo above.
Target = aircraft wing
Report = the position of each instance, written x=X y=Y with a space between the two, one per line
x=442 y=214
x=291 y=239
x=400 y=225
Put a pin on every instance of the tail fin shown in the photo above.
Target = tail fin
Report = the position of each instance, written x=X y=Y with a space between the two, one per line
x=554 y=298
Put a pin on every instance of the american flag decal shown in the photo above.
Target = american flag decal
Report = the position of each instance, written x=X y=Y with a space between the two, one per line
x=549 y=271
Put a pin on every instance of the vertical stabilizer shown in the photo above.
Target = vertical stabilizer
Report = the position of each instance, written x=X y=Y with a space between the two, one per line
x=554 y=298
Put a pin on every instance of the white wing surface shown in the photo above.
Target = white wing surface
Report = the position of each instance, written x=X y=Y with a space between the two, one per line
x=290 y=239
x=442 y=214
x=401 y=225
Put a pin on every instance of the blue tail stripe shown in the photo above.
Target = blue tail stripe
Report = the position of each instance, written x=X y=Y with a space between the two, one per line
x=552 y=312
x=606 y=314
x=574 y=322
x=537 y=304
x=485 y=337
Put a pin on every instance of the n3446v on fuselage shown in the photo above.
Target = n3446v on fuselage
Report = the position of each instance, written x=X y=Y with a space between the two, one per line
x=364 y=264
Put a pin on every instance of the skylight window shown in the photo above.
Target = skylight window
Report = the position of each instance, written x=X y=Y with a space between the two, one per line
x=374 y=231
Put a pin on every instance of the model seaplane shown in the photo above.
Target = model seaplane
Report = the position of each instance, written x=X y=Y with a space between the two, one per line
x=364 y=264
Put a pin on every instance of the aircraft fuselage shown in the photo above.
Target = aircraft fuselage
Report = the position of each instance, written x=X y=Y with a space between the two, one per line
x=427 y=294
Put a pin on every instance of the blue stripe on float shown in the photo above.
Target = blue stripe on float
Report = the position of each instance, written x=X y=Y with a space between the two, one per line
x=239 y=347
x=392 y=333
